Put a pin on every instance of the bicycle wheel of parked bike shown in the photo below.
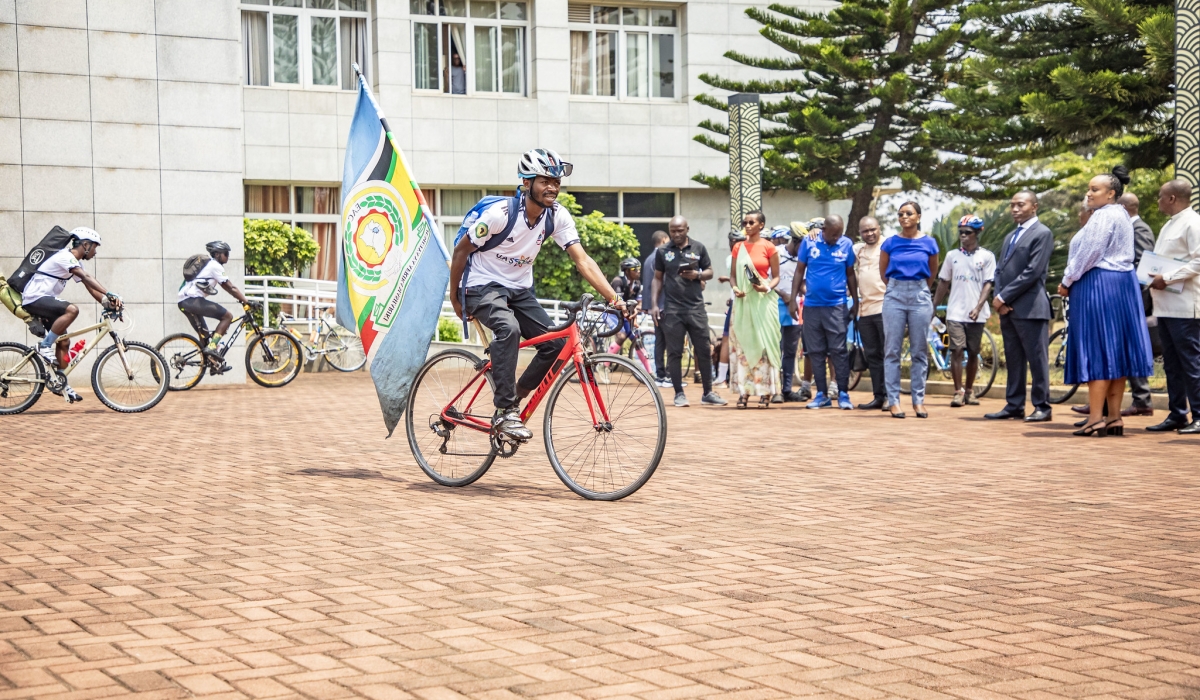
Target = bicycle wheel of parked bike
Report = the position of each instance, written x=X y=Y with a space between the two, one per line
x=133 y=384
x=1058 y=366
x=613 y=460
x=344 y=350
x=989 y=364
x=273 y=359
x=21 y=379
x=185 y=360
x=450 y=454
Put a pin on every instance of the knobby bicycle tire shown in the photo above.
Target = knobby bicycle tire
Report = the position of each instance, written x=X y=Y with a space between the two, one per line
x=12 y=354
x=429 y=395
x=143 y=390
x=283 y=364
x=177 y=358
x=622 y=373
x=1057 y=349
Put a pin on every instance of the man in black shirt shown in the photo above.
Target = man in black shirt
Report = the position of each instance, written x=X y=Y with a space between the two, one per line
x=680 y=267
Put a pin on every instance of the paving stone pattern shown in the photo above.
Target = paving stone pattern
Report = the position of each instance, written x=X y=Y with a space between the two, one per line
x=253 y=543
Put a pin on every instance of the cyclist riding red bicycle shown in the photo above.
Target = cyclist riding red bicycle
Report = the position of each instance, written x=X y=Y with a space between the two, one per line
x=498 y=289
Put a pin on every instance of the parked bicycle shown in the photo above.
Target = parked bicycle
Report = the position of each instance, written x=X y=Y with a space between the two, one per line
x=273 y=357
x=341 y=348
x=604 y=426
x=940 y=357
x=127 y=375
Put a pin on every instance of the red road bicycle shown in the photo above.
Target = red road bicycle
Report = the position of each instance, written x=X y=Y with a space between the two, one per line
x=604 y=426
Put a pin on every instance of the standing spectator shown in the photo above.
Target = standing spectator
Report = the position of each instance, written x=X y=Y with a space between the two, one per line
x=909 y=261
x=967 y=274
x=1109 y=341
x=787 y=245
x=825 y=276
x=754 y=338
x=1179 y=314
x=870 y=310
x=680 y=268
x=658 y=239
x=1024 y=309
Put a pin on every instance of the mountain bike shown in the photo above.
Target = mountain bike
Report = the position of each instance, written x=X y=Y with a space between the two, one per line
x=940 y=357
x=341 y=348
x=604 y=426
x=273 y=357
x=127 y=375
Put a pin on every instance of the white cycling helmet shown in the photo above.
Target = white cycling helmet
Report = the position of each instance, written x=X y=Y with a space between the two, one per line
x=83 y=233
x=542 y=161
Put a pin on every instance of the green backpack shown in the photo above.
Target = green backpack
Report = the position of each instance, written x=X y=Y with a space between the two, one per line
x=11 y=299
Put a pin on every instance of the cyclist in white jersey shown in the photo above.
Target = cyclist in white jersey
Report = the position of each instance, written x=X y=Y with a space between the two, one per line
x=499 y=285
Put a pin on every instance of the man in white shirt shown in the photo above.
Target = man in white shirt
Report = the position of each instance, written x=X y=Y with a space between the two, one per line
x=40 y=296
x=1179 y=313
x=968 y=273
x=499 y=282
x=195 y=305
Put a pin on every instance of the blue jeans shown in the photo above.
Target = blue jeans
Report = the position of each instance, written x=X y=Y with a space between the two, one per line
x=907 y=307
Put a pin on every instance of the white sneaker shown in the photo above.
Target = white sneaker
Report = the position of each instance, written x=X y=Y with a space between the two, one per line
x=70 y=395
x=48 y=355
x=663 y=383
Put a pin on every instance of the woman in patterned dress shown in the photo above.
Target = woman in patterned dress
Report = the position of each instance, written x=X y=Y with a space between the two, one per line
x=754 y=357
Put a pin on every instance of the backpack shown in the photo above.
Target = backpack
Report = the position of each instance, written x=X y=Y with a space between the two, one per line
x=56 y=240
x=11 y=299
x=193 y=265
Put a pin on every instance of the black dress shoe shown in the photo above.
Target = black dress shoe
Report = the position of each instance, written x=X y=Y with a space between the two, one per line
x=1039 y=417
x=1081 y=408
x=1171 y=423
x=873 y=405
x=1192 y=428
x=1005 y=414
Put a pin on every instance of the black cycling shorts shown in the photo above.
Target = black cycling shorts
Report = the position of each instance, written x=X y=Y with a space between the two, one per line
x=198 y=308
x=47 y=308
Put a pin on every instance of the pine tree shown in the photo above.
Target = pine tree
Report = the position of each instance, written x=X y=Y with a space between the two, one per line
x=853 y=96
x=1050 y=77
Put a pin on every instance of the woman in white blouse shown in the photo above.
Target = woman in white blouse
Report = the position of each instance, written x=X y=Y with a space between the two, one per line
x=1108 y=340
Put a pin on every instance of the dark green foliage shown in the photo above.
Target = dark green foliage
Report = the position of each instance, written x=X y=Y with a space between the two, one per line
x=860 y=81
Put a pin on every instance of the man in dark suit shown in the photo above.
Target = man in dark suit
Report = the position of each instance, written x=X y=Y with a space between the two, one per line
x=1024 y=309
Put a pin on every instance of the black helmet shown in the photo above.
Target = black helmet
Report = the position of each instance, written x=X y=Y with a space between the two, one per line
x=630 y=264
x=218 y=247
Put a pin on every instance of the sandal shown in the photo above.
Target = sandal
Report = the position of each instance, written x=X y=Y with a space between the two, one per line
x=1111 y=429
x=764 y=401
x=1096 y=429
x=743 y=400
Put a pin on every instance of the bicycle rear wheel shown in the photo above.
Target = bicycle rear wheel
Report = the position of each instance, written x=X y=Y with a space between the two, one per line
x=22 y=378
x=450 y=454
x=608 y=462
x=185 y=361
x=989 y=363
x=273 y=359
x=134 y=385
x=1058 y=366
x=343 y=350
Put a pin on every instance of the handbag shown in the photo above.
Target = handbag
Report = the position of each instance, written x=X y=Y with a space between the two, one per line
x=858 y=356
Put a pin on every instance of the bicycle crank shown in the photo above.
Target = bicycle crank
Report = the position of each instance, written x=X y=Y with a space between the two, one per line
x=503 y=445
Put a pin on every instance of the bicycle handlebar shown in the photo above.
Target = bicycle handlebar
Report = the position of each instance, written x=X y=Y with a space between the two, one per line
x=572 y=308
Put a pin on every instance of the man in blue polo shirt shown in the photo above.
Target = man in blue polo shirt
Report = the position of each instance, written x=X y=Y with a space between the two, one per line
x=824 y=277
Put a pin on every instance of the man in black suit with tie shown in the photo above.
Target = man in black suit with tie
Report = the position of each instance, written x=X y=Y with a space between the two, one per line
x=1024 y=309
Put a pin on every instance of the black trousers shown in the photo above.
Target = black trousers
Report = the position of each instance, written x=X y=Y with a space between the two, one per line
x=870 y=331
x=825 y=337
x=677 y=322
x=1026 y=345
x=512 y=314
x=1181 y=361
x=789 y=343
x=660 y=351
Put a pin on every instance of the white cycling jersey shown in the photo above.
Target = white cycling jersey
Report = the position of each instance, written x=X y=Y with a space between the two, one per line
x=510 y=263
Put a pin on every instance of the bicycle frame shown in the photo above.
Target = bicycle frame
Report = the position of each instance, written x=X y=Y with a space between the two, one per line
x=104 y=328
x=573 y=351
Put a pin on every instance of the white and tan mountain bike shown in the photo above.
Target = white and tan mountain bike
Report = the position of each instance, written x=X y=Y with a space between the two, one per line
x=128 y=376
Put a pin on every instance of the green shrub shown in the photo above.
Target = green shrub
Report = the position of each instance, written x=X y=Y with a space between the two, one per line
x=555 y=276
x=449 y=330
x=275 y=248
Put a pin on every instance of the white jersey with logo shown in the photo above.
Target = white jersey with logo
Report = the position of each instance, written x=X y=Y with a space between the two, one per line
x=51 y=277
x=967 y=274
x=510 y=263
x=205 y=283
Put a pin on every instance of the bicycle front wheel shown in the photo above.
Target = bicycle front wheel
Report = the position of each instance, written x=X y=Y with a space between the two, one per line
x=185 y=361
x=600 y=459
x=133 y=384
x=343 y=350
x=273 y=359
x=989 y=363
x=450 y=453
x=22 y=378
x=1058 y=367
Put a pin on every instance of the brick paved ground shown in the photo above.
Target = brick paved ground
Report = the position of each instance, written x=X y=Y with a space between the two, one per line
x=269 y=543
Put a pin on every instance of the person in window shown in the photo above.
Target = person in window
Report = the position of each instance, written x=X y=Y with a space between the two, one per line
x=458 y=75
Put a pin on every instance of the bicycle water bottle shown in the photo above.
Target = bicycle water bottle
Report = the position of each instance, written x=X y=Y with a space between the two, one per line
x=75 y=350
x=938 y=325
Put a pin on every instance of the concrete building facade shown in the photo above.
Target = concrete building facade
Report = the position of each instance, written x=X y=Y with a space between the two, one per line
x=162 y=123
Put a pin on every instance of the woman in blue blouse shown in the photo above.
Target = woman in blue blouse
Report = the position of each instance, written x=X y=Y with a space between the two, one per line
x=909 y=262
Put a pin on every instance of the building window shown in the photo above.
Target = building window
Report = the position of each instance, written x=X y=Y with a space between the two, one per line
x=306 y=43
x=623 y=52
x=644 y=212
x=463 y=47
x=316 y=209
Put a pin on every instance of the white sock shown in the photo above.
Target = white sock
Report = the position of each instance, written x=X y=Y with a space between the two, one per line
x=722 y=371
